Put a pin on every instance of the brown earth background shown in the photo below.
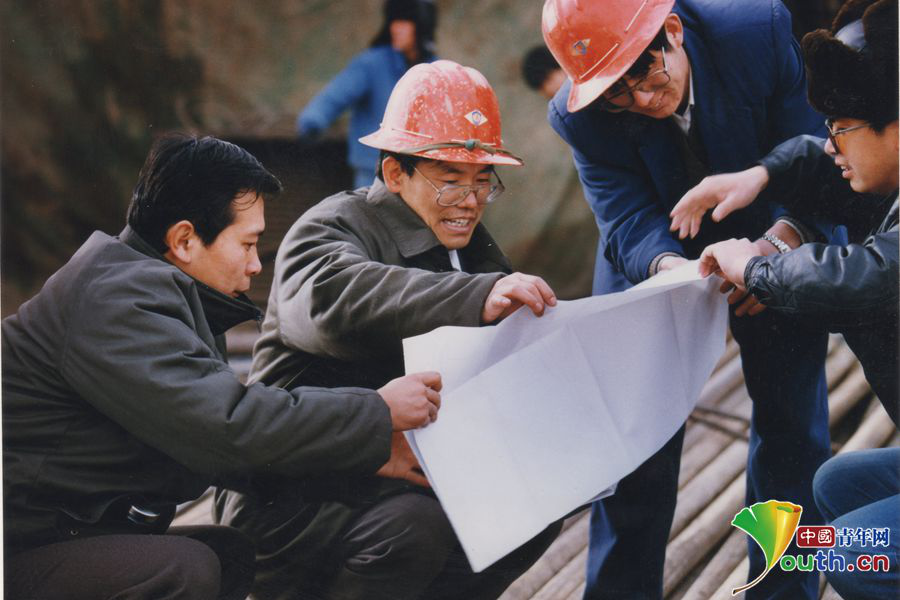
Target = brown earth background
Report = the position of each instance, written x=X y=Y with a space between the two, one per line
x=85 y=86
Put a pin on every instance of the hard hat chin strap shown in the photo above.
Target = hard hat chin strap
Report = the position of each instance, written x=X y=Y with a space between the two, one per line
x=470 y=145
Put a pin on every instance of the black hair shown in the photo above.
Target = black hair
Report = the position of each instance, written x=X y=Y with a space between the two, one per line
x=421 y=12
x=641 y=66
x=537 y=66
x=197 y=180
x=407 y=161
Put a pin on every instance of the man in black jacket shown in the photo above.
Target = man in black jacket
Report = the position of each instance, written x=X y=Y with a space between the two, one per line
x=852 y=178
x=118 y=403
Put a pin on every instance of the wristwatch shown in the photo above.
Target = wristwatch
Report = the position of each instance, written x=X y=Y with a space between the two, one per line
x=776 y=241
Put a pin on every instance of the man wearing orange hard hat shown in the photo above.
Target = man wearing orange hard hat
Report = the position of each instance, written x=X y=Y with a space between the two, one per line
x=356 y=274
x=660 y=94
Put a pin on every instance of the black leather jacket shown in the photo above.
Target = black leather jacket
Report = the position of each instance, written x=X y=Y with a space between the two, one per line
x=853 y=289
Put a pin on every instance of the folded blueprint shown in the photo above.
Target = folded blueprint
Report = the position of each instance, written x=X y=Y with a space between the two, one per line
x=540 y=415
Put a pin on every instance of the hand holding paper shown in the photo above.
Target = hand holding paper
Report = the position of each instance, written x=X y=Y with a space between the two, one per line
x=512 y=292
x=539 y=416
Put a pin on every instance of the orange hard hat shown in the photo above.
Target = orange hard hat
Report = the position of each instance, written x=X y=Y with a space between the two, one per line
x=597 y=41
x=443 y=111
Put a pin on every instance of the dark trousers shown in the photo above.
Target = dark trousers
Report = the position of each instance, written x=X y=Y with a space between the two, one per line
x=402 y=547
x=187 y=563
x=783 y=364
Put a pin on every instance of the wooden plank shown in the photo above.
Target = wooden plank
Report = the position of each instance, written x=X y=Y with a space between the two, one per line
x=570 y=543
x=714 y=523
x=830 y=594
x=714 y=478
x=736 y=578
x=710 y=441
x=566 y=581
x=876 y=429
x=725 y=561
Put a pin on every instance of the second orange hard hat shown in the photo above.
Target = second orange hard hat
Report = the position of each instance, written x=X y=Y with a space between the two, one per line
x=443 y=111
x=596 y=41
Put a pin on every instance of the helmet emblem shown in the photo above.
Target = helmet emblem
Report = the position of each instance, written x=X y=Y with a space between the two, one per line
x=476 y=118
x=580 y=47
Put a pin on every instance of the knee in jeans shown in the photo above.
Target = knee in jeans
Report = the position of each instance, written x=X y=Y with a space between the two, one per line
x=827 y=482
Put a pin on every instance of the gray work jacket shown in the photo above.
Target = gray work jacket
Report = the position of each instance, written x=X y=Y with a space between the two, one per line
x=355 y=275
x=116 y=393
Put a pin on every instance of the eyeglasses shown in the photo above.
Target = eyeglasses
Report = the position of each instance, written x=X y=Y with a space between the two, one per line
x=833 y=133
x=451 y=194
x=620 y=96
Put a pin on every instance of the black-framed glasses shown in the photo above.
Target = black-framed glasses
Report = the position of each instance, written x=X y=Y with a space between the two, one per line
x=620 y=96
x=833 y=133
x=451 y=194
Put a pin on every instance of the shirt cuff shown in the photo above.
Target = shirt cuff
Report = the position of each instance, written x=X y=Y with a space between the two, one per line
x=654 y=264
x=805 y=234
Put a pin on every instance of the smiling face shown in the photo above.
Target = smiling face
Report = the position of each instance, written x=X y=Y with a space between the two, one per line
x=228 y=263
x=869 y=160
x=662 y=103
x=452 y=225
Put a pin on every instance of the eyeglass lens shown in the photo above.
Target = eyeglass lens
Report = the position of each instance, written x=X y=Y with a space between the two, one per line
x=450 y=195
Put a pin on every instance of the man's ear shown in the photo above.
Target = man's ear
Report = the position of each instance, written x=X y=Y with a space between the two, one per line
x=393 y=174
x=181 y=238
x=674 y=30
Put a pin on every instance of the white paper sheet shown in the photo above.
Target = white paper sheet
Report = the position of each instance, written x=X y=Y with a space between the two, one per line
x=541 y=415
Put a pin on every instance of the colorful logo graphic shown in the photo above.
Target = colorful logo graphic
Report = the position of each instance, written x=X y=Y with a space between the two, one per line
x=815 y=536
x=580 y=47
x=476 y=118
x=772 y=525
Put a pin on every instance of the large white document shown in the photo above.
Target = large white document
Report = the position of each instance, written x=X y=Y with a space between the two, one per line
x=541 y=415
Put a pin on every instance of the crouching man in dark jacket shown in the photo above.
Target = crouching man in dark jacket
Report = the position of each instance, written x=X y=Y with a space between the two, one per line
x=354 y=276
x=118 y=403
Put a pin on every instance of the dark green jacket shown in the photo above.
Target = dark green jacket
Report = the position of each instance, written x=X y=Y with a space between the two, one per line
x=116 y=393
x=355 y=275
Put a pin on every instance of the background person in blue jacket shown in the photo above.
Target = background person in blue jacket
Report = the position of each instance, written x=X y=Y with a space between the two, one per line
x=661 y=94
x=406 y=38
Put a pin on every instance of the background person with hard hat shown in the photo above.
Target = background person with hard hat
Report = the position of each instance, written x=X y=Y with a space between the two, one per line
x=355 y=275
x=406 y=38
x=663 y=93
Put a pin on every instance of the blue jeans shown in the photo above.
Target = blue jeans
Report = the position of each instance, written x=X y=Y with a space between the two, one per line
x=783 y=364
x=862 y=489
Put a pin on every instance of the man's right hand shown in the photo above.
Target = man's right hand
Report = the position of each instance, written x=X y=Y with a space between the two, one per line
x=413 y=399
x=512 y=291
x=402 y=464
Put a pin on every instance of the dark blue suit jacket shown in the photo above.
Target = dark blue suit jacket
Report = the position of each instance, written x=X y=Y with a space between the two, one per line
x=749 y=94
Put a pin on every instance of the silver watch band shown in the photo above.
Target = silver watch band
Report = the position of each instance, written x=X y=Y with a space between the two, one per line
x=776 y=241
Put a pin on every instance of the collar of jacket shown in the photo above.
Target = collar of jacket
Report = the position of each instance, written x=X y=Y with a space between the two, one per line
x=414 y=237
x=891 y=219
x=222 y=312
